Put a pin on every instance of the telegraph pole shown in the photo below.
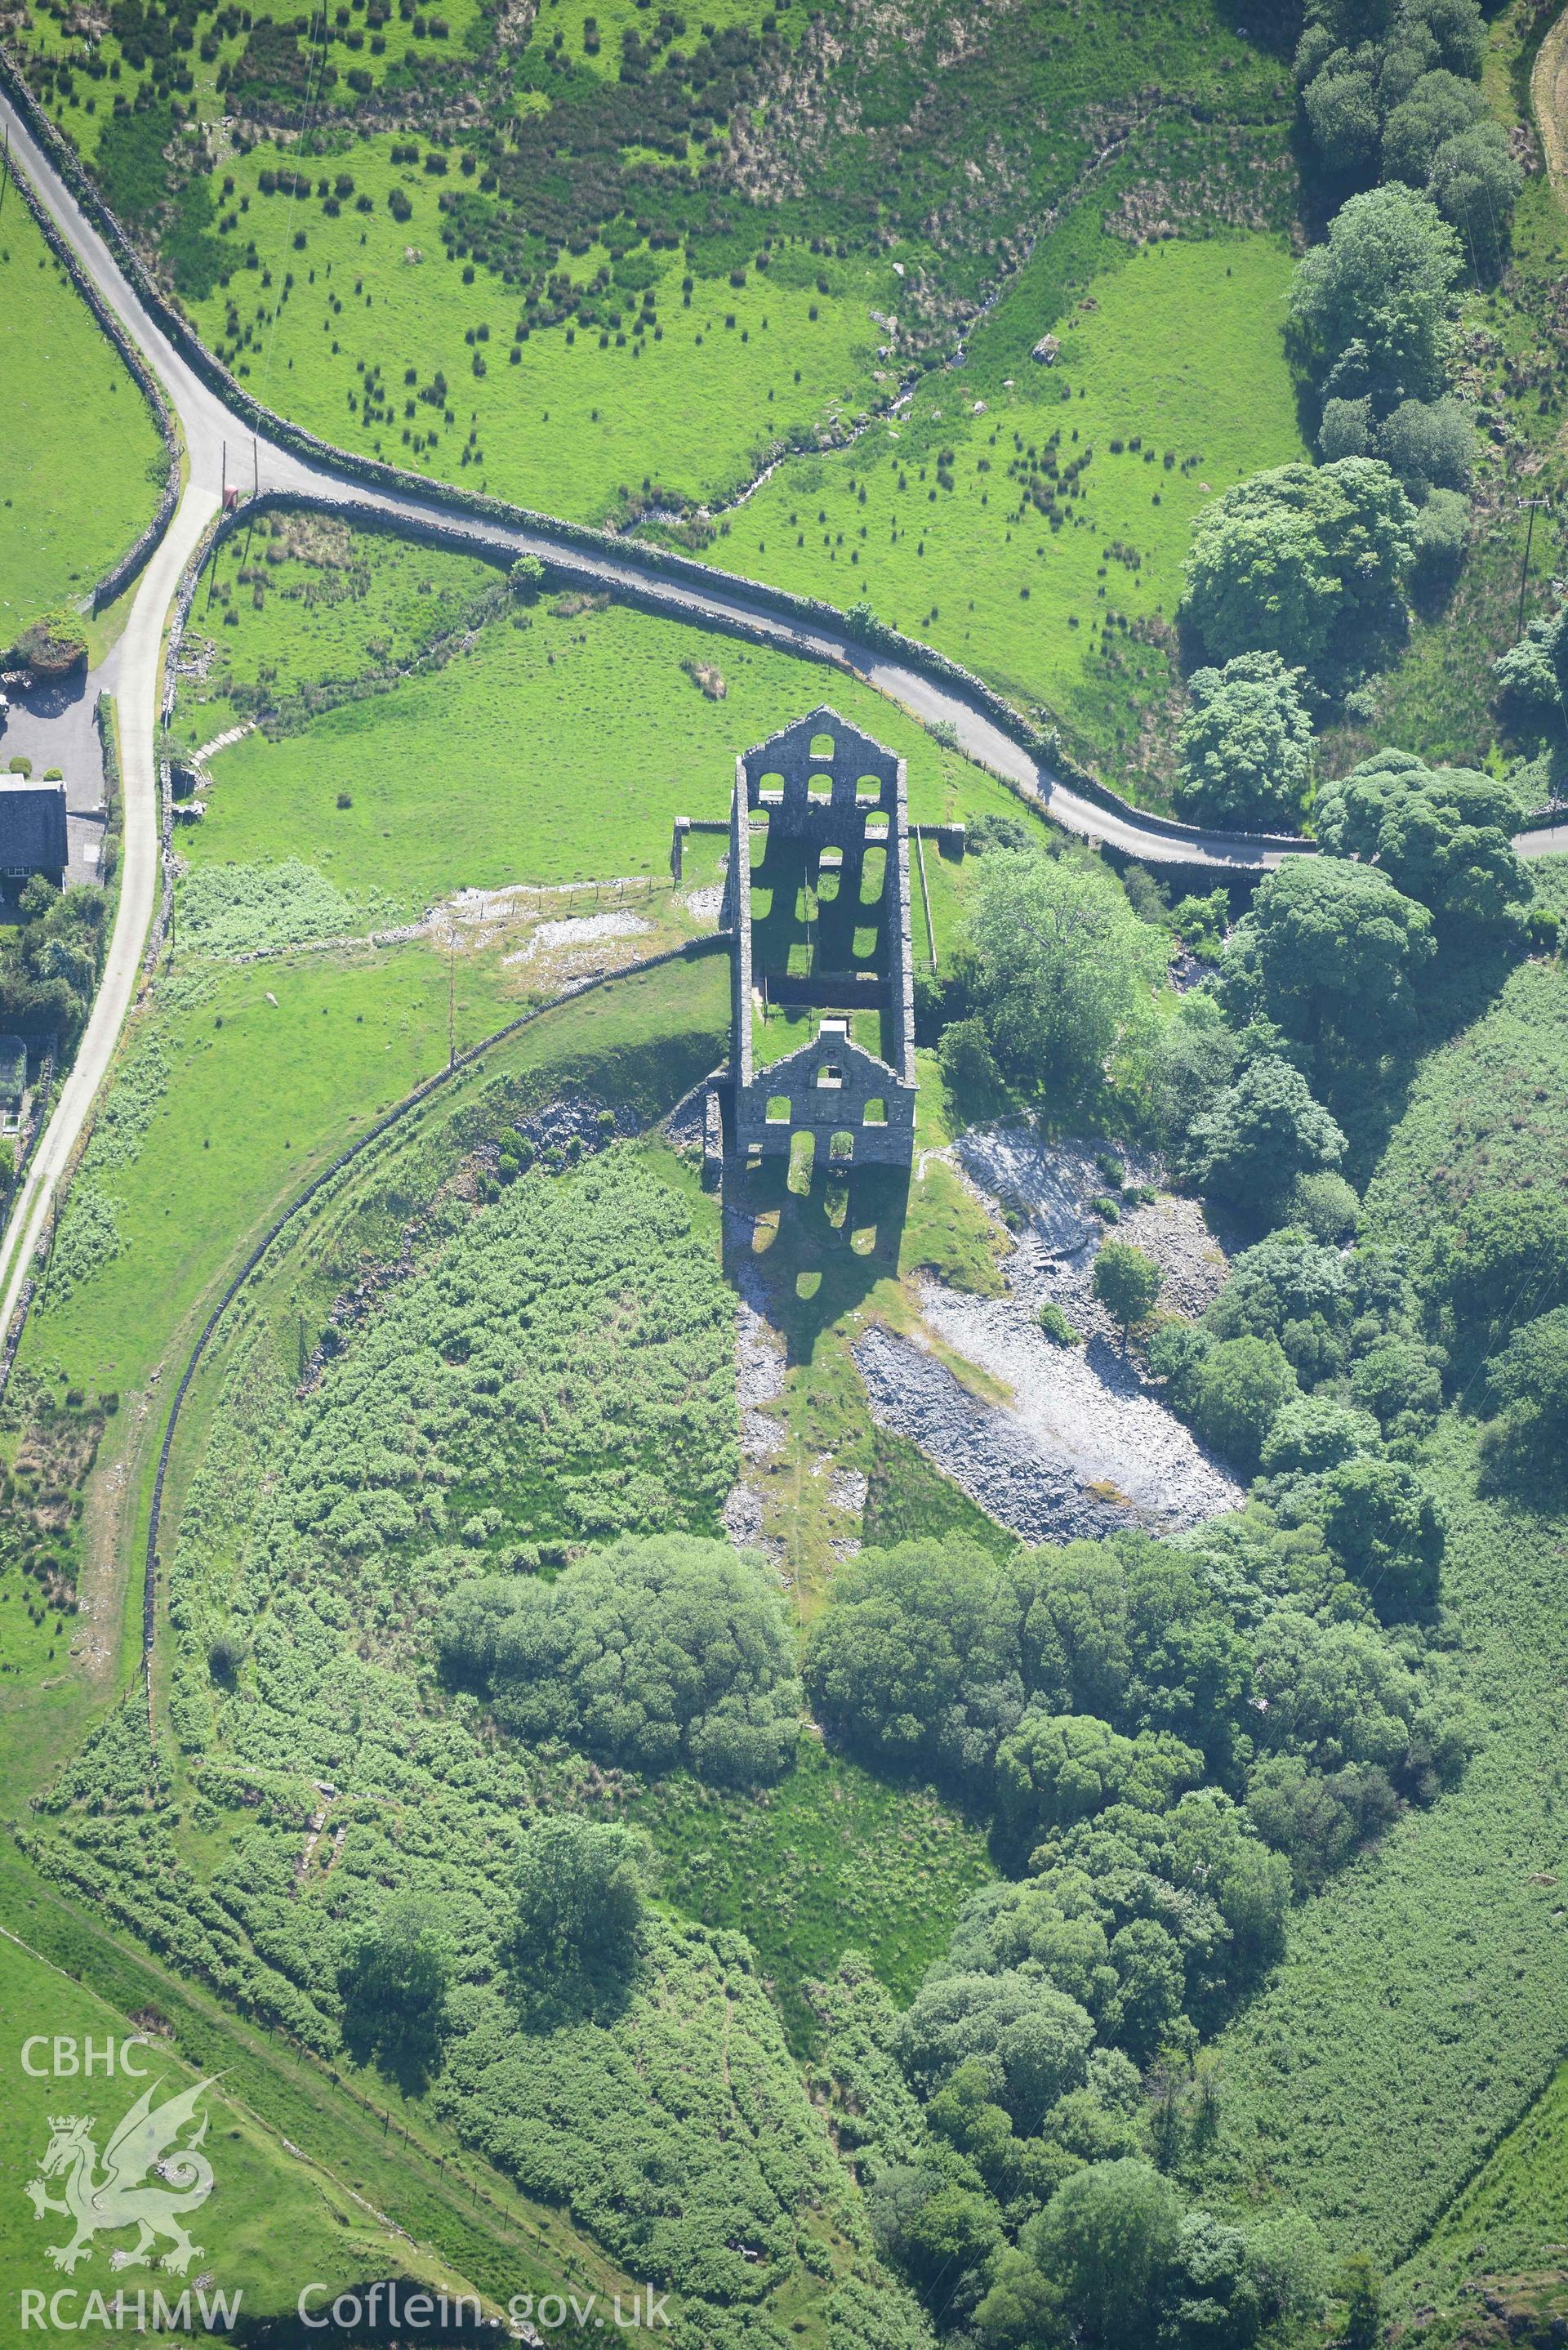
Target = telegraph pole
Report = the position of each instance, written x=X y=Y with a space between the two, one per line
x=1530 y=504
x=6 y=168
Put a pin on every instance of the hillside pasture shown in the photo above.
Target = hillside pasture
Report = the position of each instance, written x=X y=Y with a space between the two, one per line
x=1030 y=520
x=264 y=2196
x=561 y=750
x=832 y=1859
x=81 y=463
x=686 y=395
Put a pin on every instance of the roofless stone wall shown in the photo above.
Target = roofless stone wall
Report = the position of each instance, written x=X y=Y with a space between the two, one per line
x=824 y=785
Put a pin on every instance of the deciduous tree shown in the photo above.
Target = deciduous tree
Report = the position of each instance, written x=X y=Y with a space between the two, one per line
x=1245 y=745
x=1128 y=1283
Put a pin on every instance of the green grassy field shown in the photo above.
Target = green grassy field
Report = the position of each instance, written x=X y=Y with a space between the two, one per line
x=559 y=752
x=689 y=397
x=945 y=546
x=316 y=607
x=755 y=248
x=82 y=464
x=200 y=1165
x=262 y=2196
x=928 y=519
x=325 y=1042
x=187 y=1164
x=256 y=1095
x=85 y=109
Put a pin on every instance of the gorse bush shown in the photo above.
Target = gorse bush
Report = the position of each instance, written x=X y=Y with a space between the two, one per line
x=659 y=1650
x=561 y=1371
x=241 y=909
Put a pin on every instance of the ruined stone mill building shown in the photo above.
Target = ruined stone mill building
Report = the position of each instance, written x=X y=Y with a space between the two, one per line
x=817 y=898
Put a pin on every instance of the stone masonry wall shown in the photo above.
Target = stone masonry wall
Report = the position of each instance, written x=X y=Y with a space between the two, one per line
x=854 y=795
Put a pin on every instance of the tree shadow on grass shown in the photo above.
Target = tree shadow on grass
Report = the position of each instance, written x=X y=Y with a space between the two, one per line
x=561 y=1999
x=408 y=2053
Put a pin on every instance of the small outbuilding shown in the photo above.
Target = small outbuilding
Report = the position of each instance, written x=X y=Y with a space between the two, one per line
x=32 y=832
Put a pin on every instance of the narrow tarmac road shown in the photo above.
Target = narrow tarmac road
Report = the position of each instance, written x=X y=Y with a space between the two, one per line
x=138 y=705
x=221 y=449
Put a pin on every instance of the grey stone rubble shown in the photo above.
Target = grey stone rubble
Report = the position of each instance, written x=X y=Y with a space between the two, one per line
x=760 y=1366
x=477 y=918
x=1085 y=1446
x=1008 y=1168
x=575 y=930
x=847 y=1490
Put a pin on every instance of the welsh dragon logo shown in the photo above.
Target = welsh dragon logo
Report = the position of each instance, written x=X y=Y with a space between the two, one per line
x=124 y=2195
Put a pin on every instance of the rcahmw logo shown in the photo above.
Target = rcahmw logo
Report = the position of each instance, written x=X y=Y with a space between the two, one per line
x=152 y=2178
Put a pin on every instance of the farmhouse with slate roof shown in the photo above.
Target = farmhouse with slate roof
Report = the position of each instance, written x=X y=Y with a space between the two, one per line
x=32 y=832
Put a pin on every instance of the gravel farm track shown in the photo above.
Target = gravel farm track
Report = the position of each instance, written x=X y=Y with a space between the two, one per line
x=220 y=446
